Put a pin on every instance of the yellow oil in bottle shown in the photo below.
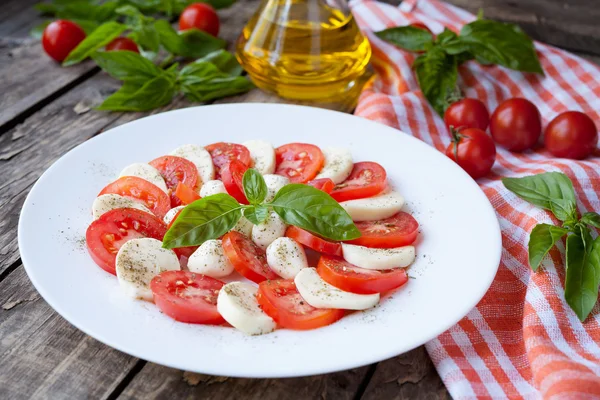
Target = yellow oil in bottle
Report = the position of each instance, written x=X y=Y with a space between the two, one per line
x=304 y=49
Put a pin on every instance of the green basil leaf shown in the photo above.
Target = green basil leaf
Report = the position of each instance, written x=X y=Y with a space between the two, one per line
x=406 y=37
x=583 y=275
x=446 y=37
x=87 y=25
x=127 y=66
x=208 y=218
x=203 y=81
x=256 y=214
x=551 y=190
x=105 y=11
x=224 y=61
x=191 y=43
x=592 y=219
x=142 y=28
x=541 y=239
x=437 y=73
x=38 y=30
x=98 y=39
x=155 y=93
x=255 y=187
x=313 y=210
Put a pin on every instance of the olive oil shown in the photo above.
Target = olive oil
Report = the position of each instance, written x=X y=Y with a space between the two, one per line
x=304 y=49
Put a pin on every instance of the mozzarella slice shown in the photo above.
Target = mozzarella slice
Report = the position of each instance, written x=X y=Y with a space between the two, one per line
x=209 y=259
x=244 y=226
x=106 y=202
x=200 y=157
x=321 y=294
x=147 y=172
x=212 y=187
x=338 y=164
x=262 y=154
x=237 y=305
x=172 y=213
x=373 y=208
x=140 y=260
x=368 y=258
x=286 y=257
x=264 y=234
x=274 y=183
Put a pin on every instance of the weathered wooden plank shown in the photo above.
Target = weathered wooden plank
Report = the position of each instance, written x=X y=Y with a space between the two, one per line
x=17 y=17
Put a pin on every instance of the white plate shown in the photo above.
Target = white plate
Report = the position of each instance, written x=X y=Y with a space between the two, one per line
x=458 y=250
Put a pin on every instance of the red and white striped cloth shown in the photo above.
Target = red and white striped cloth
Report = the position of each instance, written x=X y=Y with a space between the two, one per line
x=522 y=340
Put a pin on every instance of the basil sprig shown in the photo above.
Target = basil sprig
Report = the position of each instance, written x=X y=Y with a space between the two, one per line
x=300 y=205
x=553 y=191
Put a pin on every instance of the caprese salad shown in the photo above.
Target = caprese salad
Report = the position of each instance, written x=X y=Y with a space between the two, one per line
x=315 y=234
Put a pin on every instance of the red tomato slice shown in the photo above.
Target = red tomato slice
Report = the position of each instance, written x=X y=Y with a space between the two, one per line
x=140 y=189
x=223 y=153
x=186 y=194
x=366 y=179
x=174 y=170
x=247 y=258
x=324 y=184
x=280 y=300
x=314 y=242
x=187 y=297
x=350 y=278
x=182 y=251
x=300 y=162
x=106 y=235
x=396 y=231
x=232 y=175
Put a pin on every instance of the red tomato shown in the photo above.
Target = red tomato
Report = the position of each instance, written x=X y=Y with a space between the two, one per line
x=350 y=278
x=187 y=297
x=122 y=44
x=473 y=150
x=223 y=153
x=421 y=25
x=247 y=258
x=182 y=251
x=200 y=16
x=516 y=124
x=174 y=170
x=571 y=135
x=280 y=300
x=314 y=242
x=105 y=236
x=467 y=113
x=300 y=162
x=140 y=189
x=232 y=175
x=366 y=179
x=60 y=38
x=186 y=194
x=396 y=231
x=324 y=184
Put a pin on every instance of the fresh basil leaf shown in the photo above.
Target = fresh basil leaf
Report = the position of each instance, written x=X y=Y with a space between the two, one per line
x=256 y=214
x=541 y=239
x=224 y=61
x=203 y=81
x=208 y=218
x=551 y=190
x=255 y=187
x=583 y=275
x=102 y=36
x=127 y=66
x=313 y=210
x=191 y=43
x=87 y=25
x=38 y=30
x=406 y=37
x=447 y=36
x=142 y=28
x=157 y=92
x=105 y=11
x=592 y=219
x=437 y=73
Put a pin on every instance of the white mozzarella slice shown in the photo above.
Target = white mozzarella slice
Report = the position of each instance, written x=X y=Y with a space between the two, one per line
x=140 y=260
x=147 y=172
x=321 y=294
x=369 y=258
x=106 y=202
x=338 y=164
x=209 y=259
x=286 y=257
x=212 y=187
x=373 y=208
x=244 y=226
x=262 y=154
x=237 y=304
x=200 y=157
x=274 y=183
x=264 y=234
x=172 y=213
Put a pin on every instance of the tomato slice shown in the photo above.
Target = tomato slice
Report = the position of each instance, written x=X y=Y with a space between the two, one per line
x=366 y=179
x=187 y=297
x=396 y=231
x=232 y=176
x=247 y=258
x=324 y=184
x=300 y=162
x=182 y=251
x=186 y=194
x=350 y=278
x=280 y=300
x=140 y=189
x=105 y=236
x=313 y=241
x=174 y=170
x=223 y=153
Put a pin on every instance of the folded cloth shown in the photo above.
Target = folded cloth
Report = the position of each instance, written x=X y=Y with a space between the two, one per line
x=522 y=340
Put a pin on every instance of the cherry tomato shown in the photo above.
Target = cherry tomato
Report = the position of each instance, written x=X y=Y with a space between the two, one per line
x=572 y=134
x=140 y=189
x=350 y=278
x=467 y=113
x=280 y=300
x=200 y=16
x=187 y=297
x=473 y=150
x=313 y=241
x=396 y=231
x=367 y=179
x=122 y=44
x=420 y=25
x=186 y=194
x=182 y=251
x=105 y=236
x=324 y=184
x=174 y=170
x=223 y=153
x=60 y=38
x=232 y=176
x=300 y=162
x=246 y=257
x=516 y=124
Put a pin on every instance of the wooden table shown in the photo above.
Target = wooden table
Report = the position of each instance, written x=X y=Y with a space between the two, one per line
x=45 y=111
